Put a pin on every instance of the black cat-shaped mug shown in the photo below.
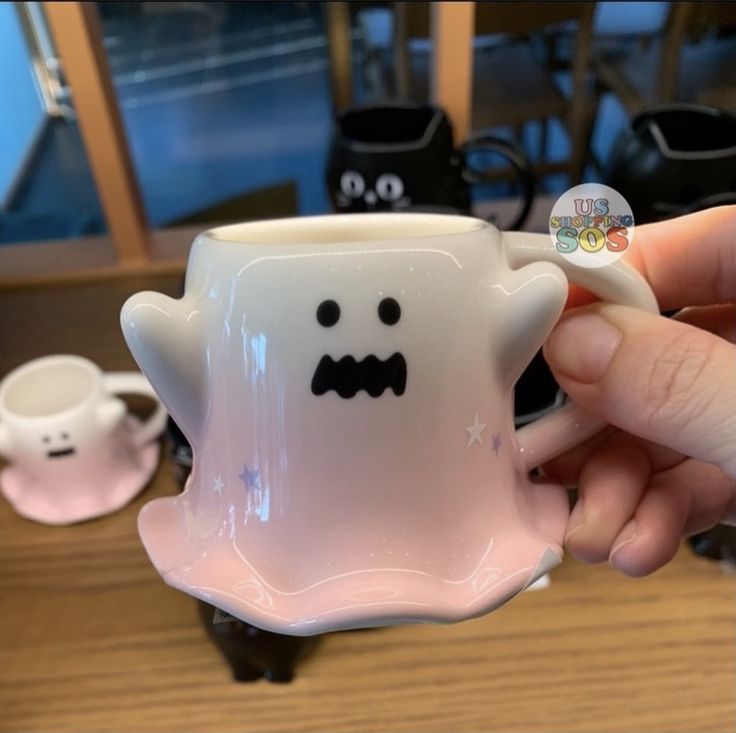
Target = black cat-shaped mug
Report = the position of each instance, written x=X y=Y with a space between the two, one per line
x=402 y=157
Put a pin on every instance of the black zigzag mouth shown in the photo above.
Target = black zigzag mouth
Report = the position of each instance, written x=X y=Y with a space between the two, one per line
x=349 y=376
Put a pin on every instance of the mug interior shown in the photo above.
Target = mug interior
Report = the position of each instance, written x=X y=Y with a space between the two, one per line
x=380 y=125
x=696 y=131
x=48 y=388
x=382 y=228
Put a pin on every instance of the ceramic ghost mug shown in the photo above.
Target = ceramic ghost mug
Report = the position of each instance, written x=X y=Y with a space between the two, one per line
x=346 y=385
x=73 y=452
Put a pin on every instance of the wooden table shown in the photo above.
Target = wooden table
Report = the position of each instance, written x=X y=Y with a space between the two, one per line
x=92 y=640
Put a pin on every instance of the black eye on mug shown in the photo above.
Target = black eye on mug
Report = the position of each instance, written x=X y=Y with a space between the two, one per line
x=389 y=187
x=328 y=313
x=352 y=184
x=389 y=311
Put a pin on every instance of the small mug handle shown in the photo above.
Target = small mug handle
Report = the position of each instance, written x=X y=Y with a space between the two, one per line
x=569 y=425
x=136 y=383
x=512 y=153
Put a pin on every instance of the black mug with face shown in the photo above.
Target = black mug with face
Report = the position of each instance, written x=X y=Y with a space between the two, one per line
x=402 y=157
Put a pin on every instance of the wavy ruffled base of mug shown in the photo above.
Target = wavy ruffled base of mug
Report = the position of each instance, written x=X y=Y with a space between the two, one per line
x=216 y=571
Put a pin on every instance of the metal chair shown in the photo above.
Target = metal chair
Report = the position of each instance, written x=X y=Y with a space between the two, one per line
x=693 y=61
x=514 y=77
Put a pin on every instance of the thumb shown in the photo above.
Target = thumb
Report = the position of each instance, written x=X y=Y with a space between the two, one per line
x=663 y=380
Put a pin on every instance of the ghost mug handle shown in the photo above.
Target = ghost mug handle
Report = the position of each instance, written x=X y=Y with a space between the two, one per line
x=569 y=425
x=134 y=383
x=517 y=159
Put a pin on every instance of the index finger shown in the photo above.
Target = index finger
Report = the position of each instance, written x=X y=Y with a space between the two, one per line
x=690 y=260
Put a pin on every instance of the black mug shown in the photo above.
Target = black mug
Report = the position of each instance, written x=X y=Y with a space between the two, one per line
x=675 y=159
x=402 y=158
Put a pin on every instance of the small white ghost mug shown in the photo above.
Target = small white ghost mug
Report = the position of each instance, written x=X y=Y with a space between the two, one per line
x=346 y=384
x=73 y=451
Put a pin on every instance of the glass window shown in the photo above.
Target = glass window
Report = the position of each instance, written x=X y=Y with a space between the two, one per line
x=227 y=106
x=46 y=187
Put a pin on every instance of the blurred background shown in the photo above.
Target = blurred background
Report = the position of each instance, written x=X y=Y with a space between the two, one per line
x=126 y=128
x=205 y=112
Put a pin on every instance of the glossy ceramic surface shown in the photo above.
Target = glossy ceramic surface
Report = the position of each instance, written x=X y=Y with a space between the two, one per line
x=72 y=452
x=345 y=383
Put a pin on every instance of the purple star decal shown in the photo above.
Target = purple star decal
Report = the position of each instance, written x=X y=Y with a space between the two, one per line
x=250 y=477
x=496 y=446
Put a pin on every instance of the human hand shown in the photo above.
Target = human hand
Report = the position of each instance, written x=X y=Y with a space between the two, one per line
x=667 y=466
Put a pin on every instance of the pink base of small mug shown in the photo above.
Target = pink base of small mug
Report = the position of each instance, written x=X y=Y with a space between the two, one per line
x=104 y=495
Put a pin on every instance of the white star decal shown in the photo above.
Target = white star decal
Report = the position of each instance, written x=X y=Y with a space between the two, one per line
x=218 y=485
x=475 y=430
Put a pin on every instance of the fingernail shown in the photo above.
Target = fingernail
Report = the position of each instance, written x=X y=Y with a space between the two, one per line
x=619 y=557
x=576 y=520
x=581 y=346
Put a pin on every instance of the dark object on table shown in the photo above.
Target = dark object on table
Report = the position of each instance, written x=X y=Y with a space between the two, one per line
x=718 y=543
x=402 y=158
x=180 y=453
x=252 y=653
x=536 y=392
x=675 y=159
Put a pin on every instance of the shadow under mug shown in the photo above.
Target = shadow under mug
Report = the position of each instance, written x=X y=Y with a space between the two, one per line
x=402 y=158
x=73 y=451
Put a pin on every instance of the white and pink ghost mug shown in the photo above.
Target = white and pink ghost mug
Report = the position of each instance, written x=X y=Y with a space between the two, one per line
x=73 y=452
x=346 y=384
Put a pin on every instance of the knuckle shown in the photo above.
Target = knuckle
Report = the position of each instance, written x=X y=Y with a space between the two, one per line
x=724 y=502
x=673 y=385
x=712 y=509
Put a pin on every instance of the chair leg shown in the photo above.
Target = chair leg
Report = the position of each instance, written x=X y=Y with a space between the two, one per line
x=519 y=133
x=580 y=129
x=543 y=139
x=519 y=137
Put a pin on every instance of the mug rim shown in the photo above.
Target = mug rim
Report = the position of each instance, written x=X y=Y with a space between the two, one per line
x=376 y=227
x=45 y=362
x=649 y=117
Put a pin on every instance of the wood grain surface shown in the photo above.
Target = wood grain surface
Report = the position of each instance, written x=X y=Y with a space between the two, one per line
x=91 y=639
